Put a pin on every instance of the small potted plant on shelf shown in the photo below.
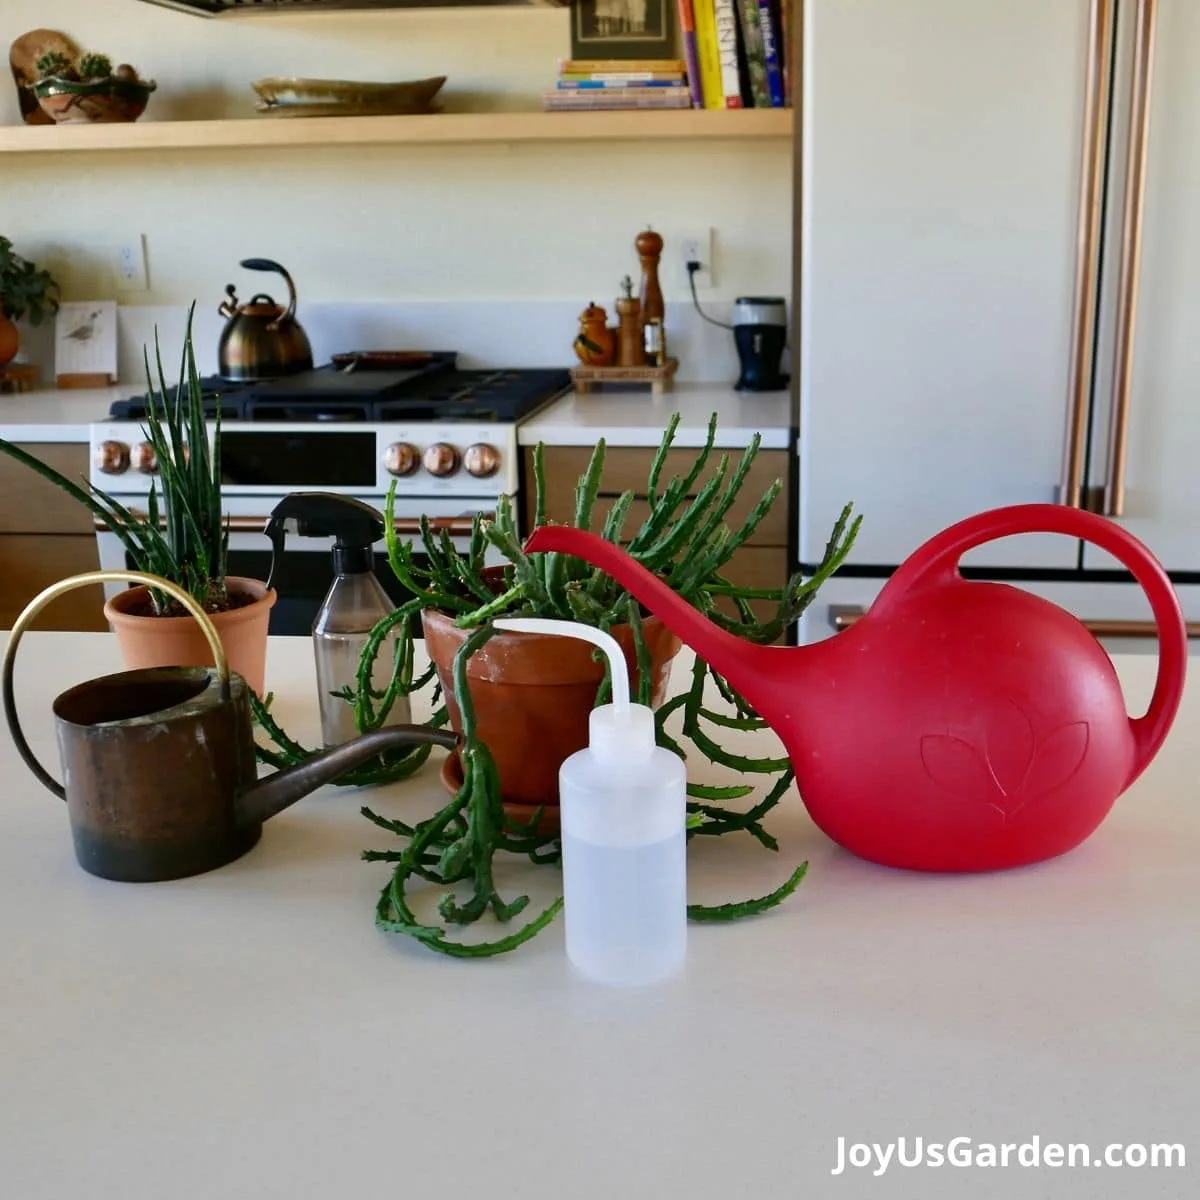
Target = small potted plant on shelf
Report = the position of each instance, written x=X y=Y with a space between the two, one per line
x=88 y=90
x=182 y=536
x=521 y=701
x=25 y=291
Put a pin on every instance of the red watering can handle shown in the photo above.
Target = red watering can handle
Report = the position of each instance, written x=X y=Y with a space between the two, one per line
x=939 y=557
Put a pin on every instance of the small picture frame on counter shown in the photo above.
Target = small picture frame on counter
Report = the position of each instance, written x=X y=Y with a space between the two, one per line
x=85 y=344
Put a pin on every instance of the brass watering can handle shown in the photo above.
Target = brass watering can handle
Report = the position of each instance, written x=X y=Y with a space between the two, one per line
x=55 y=590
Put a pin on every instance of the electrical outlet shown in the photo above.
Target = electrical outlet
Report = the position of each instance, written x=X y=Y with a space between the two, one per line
x=697 y=246
x=129 y=266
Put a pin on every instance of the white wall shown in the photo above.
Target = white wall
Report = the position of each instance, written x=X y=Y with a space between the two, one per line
x=381 y=224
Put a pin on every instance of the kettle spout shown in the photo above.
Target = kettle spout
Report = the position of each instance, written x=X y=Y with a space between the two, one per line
x=273 y=794
x=745 y=665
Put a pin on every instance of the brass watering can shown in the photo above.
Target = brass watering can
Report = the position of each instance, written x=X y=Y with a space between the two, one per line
x=159 y=769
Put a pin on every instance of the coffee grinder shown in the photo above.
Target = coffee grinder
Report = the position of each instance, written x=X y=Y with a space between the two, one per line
x=760 y=335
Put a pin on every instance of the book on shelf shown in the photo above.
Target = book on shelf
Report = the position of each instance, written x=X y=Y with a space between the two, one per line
x=619 y=66
x=677 y=97
x=704 y=16
x=687 y=32
x=743 y=50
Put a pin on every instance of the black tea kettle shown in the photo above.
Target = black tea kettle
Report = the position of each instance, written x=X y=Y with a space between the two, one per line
x=261 y=340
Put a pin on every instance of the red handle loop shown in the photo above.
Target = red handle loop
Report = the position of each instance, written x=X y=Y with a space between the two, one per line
x=940 y=555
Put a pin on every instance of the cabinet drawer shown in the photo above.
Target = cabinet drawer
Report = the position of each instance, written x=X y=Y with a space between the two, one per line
x=31 y=562
x=627 y=468
x=31 y=504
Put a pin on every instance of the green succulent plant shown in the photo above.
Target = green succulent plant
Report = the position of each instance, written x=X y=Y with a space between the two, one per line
x=25 y=291
x=95 y=66
x=54 y=62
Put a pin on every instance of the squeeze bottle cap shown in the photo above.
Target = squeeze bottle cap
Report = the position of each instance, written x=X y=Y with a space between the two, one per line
x=619 y=731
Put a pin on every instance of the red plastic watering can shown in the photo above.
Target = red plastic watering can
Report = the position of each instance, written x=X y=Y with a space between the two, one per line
x=958 y=726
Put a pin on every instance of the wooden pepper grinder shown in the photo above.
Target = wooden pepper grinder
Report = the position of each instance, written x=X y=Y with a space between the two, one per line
x=649 y=246
x=630 y=351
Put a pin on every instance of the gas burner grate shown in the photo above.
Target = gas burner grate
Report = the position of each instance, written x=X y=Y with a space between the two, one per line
x=442 y=393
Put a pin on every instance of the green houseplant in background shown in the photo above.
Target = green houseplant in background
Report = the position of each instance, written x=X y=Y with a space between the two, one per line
x=182 y=536
x=685 y=539
x=25 y=291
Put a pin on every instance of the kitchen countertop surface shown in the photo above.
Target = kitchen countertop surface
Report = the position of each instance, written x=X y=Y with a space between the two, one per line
x=249 y=1033
x=57 y=415
x=624 y=418
x=637 y=418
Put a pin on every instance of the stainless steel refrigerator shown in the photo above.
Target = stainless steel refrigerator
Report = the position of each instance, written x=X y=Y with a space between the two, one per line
x=997 y=300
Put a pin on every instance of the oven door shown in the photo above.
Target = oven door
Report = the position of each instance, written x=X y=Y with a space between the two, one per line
x=304 y=576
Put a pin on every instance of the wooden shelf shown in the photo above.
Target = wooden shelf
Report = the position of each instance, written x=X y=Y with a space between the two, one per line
x=438 y=128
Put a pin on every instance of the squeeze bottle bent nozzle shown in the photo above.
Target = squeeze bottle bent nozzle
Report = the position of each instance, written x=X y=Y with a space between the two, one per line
x=623 y=811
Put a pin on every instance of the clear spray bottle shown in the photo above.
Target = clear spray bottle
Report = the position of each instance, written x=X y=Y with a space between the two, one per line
x=623 y=811
x=353 y=606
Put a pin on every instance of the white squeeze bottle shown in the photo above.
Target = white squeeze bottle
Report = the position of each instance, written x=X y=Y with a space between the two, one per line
x=623 y=809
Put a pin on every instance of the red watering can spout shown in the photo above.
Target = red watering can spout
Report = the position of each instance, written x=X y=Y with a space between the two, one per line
x=743 y=664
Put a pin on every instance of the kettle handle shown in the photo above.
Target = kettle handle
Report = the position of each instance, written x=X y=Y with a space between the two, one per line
x=937 y=560
x=55 y=590
x=267 y=264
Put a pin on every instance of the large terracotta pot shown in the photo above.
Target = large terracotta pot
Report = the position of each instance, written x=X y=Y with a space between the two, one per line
x=10 y=339
x=532 y=695
x=179 y=641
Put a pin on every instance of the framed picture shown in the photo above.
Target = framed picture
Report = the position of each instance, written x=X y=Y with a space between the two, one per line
x=622 y=29
x=85 y=344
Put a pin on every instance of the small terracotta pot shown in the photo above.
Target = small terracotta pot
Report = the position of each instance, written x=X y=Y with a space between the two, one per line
x=179 y=641
x=532 y=694
x=10 y=339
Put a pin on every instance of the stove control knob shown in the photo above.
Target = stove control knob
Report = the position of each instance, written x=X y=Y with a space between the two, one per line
x=481 y=460
x=112 y=458
x=401 y=459
x=441 y=459
x=144 y=459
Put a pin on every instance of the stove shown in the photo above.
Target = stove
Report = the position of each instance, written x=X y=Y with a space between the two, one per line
x=432 y=427
x=443 y=436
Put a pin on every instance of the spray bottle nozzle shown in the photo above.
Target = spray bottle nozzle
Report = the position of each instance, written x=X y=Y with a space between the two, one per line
x=354 y=526
x=616 y=730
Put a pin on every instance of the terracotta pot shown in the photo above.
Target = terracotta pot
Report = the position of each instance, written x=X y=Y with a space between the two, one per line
x=532 y=694
x=10 y=339
x=179 y=641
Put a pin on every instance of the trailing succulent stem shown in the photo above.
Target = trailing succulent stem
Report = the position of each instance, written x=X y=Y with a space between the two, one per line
x=686 y=539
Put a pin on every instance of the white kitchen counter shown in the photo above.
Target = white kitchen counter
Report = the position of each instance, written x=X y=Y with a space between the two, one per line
x=249 y=1034
x=57 y=415
x=637 y=418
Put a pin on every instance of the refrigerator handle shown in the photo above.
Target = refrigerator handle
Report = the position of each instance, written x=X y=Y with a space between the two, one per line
x=843 y=616
x=1131 y=254
x=1087 y=249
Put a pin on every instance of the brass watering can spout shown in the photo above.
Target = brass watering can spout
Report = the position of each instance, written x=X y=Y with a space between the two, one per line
x=159 y=764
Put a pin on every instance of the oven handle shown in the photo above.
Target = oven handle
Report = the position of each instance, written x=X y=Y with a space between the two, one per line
x=456 y=527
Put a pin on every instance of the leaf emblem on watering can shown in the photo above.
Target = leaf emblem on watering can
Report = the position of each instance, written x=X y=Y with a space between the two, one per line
x=1010 y=764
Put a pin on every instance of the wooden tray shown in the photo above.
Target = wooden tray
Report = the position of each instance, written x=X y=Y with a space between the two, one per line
x=659 y=378
x=18 y=377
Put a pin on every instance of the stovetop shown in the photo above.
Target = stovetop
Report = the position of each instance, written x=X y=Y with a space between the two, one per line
x=438 y=391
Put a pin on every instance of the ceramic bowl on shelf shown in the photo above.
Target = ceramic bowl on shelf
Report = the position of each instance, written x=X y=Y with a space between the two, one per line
x=96 y=102
x=345 y=98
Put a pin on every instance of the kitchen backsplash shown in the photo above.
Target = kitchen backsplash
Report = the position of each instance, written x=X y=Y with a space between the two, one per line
x=517 y=333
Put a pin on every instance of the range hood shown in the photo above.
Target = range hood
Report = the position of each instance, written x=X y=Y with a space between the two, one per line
x=220 y=8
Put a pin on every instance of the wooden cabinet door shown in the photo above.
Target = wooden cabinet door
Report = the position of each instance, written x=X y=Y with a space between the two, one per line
x=30 y=562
